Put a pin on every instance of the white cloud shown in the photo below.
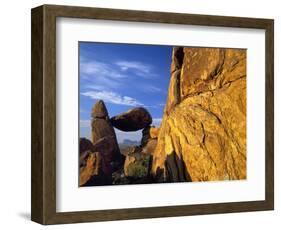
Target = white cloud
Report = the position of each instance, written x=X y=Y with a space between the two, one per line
x=99 y=69
x=110 y=75
x=152 y=89
x=155 y=106
x=138 y=68
x=126 y=65
x=112 y=97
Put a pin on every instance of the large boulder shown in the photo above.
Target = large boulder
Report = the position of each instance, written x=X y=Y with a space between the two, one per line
x=97 y=161
x=102 y=128
x=132 y=120
x=203 y=131
x=92 y=173
x=84 y=145
x=105 y=146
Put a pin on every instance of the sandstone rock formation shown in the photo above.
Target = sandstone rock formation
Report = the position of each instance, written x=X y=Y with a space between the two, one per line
x=84 y=145
x=102 y=128
x=153 y=132
x=203 y=132
x=105 y=147
x=150 y=146
x=132 y=120
x=149 y=139
x=92 y=173
x=95 y=162
x=91 y=168
x=149 y=132
x=99 y=110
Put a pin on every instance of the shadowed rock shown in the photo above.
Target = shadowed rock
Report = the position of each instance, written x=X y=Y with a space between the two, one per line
x=102 y=128
x=132 y=120
x=99 y=110
x=97 y=162
x=84 y=145
x=92 y=173
x=148 y=133
x=104 y=146
x=175 y=169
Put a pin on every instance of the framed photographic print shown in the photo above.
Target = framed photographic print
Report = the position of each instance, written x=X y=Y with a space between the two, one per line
x=141 y=114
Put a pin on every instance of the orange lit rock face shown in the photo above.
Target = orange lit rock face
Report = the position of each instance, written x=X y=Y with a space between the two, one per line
x=92 y=168
x=204 y=124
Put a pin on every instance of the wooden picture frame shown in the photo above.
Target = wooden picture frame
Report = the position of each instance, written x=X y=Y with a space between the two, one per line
x=43 y=208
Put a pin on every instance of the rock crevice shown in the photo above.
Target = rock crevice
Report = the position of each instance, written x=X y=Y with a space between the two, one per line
x=206 y=126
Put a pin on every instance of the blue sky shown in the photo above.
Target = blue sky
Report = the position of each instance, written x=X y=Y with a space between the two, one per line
x=124 y=76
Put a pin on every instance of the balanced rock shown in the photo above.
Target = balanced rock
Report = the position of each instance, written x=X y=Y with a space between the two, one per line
x=132 y=120
x=204 y=121
x=102 y=128
x=99 y=110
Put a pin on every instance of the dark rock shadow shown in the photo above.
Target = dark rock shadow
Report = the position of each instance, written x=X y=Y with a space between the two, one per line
x=176 y=170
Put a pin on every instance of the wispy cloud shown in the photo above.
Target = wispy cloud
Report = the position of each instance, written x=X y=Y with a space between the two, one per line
x=127 y=65
x=152 y=89
x=108 y=75
x=155 y=106
x=138 y=68
x=112 y=97
x=98 y=68
x=98 y=75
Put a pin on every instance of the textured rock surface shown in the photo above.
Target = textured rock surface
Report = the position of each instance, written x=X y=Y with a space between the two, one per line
x=92 y=173
x=91 y=168
x=105 y=146
x=96 y=162
x=132 y=120
x=102 y=128
x=84 y=145
x=99 y=110
x=130 y=159
x=149 y=134
x=153 y=132
x=203 y=131
x=150 y=146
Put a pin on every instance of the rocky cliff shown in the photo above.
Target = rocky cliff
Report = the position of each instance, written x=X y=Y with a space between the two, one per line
x=203 y=132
